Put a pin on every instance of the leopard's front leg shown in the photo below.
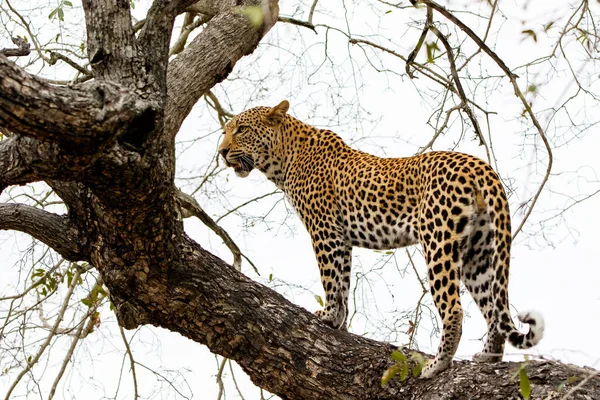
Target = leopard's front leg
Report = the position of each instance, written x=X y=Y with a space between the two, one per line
x=335 y=259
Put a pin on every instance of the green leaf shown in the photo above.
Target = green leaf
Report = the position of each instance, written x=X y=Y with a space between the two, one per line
x=61 y=14
x=388 y=11
x=399 y=356
x=132 y=4
x=419 y=360
x=389 y=374
x=29 y=360
x=87 y=302
x=524 y=383
x=532 y=88
x=319 y=300
x=548 y=26
x=270 y=277
x=67 y=3
x=53 y=13
x=530 y=33
x=403 y=371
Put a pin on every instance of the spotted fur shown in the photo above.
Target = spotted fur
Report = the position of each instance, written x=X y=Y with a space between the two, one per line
x=453 y=204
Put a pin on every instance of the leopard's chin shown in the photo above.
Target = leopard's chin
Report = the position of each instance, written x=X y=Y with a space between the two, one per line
x=241 y=171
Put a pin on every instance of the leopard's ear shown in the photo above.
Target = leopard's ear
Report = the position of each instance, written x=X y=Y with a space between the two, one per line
x=275 y=115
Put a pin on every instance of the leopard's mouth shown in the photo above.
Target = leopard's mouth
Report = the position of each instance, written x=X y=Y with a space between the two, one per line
x=242 y=165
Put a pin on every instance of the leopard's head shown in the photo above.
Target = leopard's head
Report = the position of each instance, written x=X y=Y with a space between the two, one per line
x=250 y=137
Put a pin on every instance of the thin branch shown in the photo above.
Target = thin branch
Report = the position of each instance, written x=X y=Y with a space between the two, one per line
x=82 y=331
x=413 y=54
x=190 y=207
x=219 y=378
x=418 y=307
x=215 y=104
x=55 y=56
x=189 y=25
x=293 y=21
x=131 y=361
x=461 y=92
x=442 y=10
x=513 y=79
x=35 y=284
x=244 y=204
x=235 y=384
x=485 y=35
x=51 y=335
x=27 y=27
x=312 y=11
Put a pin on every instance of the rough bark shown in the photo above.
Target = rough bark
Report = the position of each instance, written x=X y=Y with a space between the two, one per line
x=117 y=183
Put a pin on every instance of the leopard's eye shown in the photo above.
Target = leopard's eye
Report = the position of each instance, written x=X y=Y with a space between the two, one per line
x=242 y=129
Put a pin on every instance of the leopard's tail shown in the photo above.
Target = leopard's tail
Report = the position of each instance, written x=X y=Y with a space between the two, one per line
x=500 y=222
x=518 y=339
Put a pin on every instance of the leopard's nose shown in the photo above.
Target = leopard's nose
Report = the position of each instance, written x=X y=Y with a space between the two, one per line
x=224 y=153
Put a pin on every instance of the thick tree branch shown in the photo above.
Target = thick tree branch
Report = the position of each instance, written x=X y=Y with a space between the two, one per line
x=287 y=351
x=111 y=40
x=80 y=118
x=25 y=160
x=210 y=57
x=52 y=229
x=154 y=40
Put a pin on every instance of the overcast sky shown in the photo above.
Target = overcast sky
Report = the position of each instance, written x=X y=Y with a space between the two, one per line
x=554 y=269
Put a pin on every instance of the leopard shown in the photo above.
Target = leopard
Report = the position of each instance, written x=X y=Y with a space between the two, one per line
x=453 y=204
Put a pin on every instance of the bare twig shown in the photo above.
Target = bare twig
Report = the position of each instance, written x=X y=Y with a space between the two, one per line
x=54 y=57
x=81 y=333
x=413 y=54
x=189 y=24
x=293 y=21
x=513 y=79
x=418 y=307
x=459 y=88
x=215 y=104
x=51 y=334
x=25 y=24
x=234 y=381
x=131 y=361
x=219 y=378
x=190 y=207
x=244 y=204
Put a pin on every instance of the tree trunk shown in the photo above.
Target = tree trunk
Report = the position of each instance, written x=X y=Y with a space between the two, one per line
x=107 y=149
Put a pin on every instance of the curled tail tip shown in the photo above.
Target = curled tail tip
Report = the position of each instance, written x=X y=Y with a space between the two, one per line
x=536 y=330
x=535 y=321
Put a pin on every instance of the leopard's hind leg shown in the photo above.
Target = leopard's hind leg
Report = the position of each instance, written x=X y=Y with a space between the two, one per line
x=442 y=236
x=479 y=277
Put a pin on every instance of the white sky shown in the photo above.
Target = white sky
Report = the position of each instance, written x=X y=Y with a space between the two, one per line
x=559 y=276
